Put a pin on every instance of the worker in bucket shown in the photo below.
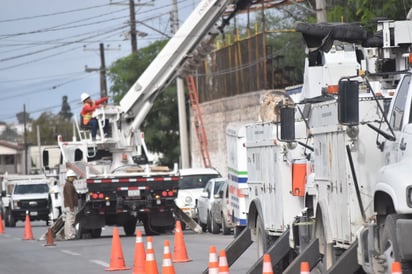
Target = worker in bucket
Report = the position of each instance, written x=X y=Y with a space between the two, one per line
x=70 y=205
x=87 y=119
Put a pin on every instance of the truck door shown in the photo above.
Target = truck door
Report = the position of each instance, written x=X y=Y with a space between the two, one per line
x=401 y=122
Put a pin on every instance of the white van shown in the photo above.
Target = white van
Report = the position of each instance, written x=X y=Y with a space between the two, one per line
x=191 y=184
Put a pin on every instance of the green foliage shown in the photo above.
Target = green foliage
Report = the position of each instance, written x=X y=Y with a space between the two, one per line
x=11 y=135
x=161 y=124
x=50 y=126
x=125 y=71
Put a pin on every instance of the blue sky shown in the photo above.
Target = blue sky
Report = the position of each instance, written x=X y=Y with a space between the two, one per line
x=46 y=44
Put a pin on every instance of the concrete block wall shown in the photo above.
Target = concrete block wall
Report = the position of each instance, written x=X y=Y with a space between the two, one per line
x=216 y=115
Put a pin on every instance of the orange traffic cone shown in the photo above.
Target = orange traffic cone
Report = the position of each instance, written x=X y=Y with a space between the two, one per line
x=167 y=265
x=396 y=268
x=267 y=265
x=1 y=225
x=304 y=268
x=116 y=258
x=213 y=261
x=50 y=239
x=151 y=264
x=139 y=255
x=179 y=252
x=223 y=266
x=28 y=233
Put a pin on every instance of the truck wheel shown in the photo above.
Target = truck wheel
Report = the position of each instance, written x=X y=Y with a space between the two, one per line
x=96 y=233
x=389 y=245
x=225 y=229
x=10 y=219
x=130 y=228
x=209 y=225
x=261 y=238
x=203 y=226
x=214 y=227
x=325 y=249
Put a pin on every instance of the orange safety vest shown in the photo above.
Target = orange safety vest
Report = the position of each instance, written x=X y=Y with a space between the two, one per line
x=87 y=116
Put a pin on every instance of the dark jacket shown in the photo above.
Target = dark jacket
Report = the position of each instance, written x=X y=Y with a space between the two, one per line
x=70 y=195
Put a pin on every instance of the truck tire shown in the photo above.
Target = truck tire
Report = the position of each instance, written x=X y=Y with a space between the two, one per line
x=130 y=227
x=208 y=222
x=261 y=238
x=214 y=227
x=389 y=245
x=10 y=219
x=96 y=233
x=203 y=226
x=225 y=229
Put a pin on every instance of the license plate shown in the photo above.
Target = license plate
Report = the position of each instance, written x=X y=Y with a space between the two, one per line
x=134 y=192
x=33 y=213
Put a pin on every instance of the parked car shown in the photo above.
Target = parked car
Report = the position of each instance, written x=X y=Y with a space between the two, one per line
x=220 y=212
x=191 y=184
x=205 y=202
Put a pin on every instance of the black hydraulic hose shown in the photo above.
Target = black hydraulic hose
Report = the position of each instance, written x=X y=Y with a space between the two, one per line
x=355 y=181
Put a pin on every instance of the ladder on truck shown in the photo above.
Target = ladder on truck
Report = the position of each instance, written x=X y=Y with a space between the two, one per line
x=198 y=120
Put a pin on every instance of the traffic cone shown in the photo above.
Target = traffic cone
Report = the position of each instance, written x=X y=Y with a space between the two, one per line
x=396 y=268
x=267 y=265
x=223 y=266
x=139 y=255
x=1 y=225
x=116 y=257
x=28 y=233
x=304 y=268
x=50 y=239
x=151 y=264
x=213 y=261
x=179 y=251
x=167 y=265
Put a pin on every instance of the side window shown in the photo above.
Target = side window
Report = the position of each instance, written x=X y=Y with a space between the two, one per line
x=400 y=103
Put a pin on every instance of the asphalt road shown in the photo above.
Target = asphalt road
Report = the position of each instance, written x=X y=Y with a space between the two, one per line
x=93 y=255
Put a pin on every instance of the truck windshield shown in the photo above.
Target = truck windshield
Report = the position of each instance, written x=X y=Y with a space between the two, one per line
x=195 y=181
x=32 y=188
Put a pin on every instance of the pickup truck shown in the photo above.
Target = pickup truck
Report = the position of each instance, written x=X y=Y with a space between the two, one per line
x=24 y=194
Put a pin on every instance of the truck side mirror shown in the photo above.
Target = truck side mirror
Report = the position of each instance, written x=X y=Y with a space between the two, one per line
x=287 y=124
x=348 y=102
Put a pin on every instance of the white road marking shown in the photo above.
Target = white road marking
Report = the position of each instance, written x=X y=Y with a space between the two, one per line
x=70 y=252
x=100 y=263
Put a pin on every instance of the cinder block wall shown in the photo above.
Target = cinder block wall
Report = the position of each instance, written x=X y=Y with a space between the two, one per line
x=216 y=115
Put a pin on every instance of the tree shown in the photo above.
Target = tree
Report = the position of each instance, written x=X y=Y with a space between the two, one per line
x=161 y=124
x=11 y=135
x=50 y=125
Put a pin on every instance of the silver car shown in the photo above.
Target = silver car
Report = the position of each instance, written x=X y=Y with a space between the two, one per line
x=205 y=202
x=220 y=213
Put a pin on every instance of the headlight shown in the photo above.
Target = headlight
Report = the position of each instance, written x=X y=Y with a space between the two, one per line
x=16 y=204
x=188 y=200
x=409 y=196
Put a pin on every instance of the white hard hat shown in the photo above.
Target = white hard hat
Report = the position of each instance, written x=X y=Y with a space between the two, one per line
x=71 y=173
x=84 y=96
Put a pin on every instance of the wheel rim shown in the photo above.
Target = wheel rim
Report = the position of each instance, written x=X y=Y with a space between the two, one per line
x=388 y=253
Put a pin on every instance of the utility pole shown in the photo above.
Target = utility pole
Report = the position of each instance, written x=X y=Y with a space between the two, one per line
x=184 y=144
x=133 y=26
x=101 y=70
x=321 y=11
x=25 y=139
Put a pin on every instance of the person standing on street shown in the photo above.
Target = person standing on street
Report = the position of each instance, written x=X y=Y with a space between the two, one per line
x=70 y=205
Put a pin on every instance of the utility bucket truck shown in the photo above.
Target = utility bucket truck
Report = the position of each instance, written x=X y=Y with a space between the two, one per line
x=119 y=184
x=360 y=196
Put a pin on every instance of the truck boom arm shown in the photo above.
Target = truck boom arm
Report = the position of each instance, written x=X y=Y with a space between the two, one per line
x=200 y=26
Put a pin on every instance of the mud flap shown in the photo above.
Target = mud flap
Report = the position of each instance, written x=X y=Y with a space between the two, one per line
x=347 y=262
x=186 y=219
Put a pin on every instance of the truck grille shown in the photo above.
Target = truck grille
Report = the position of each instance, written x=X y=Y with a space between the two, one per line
x=33 y=204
